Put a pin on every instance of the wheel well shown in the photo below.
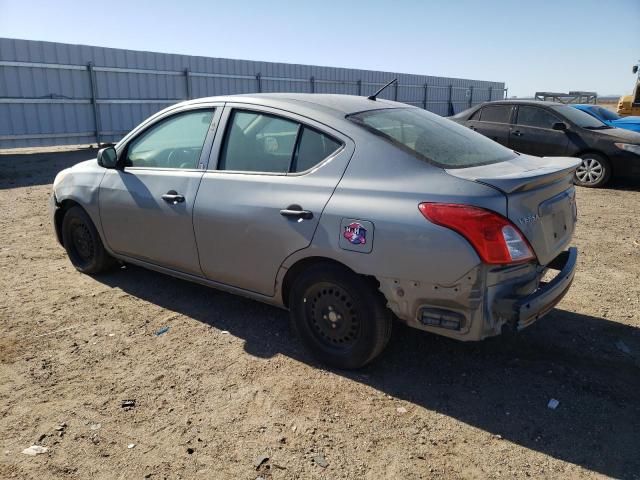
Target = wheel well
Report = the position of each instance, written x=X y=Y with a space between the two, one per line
x=59 y=215
x=301 y=265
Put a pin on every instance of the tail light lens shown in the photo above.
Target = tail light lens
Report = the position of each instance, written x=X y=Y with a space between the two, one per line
x=494 y=237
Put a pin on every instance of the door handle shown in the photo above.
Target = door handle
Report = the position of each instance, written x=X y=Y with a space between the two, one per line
x=296 y=211
x=471 y=127
x=517 y=133
x=173 y=197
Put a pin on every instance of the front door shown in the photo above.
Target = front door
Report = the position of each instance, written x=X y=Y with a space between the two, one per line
x=146 y=209
x=533 y=133
x=263 y=200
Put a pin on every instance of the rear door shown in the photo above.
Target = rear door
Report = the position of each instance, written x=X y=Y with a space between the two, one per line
x=533 y=133
x=269 y=178
x=492 y=121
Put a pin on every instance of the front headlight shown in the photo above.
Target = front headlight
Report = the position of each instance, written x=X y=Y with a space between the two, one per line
x=629 y=147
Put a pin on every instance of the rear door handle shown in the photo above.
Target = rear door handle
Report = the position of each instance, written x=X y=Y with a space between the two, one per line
x=173 y=197
x=517 y=133
x=296 y=211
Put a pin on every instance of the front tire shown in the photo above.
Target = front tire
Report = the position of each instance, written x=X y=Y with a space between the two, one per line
x=339 y=316
x=83 y=244
x=593 y=172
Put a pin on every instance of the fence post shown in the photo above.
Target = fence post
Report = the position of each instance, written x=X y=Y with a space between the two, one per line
x=359 y=87
x=259 y=81
x=187 y=79
x=490 y=94
x=471 y=96
x=506 y=93
x=426 y=94
x=312 y=80
x=451 y=112
x=94 y=102
x=395 y=92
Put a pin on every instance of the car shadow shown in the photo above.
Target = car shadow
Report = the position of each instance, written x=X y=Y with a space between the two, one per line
x=30 y=169
x=501 y=385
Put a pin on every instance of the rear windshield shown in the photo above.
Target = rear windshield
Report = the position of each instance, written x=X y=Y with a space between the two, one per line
x=433 y=138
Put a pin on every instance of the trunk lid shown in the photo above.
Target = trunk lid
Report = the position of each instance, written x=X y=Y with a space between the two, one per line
x=540 y=198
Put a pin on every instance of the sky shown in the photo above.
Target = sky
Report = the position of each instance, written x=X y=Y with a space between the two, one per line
x=530 y=45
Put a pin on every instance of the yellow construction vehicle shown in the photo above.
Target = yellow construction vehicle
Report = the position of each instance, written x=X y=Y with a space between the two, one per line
x=630 y=104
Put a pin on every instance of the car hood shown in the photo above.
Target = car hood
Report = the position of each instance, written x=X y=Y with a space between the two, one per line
x=626 y=121
x=619 y=134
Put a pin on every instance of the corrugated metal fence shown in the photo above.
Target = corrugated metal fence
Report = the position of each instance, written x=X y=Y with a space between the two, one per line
x=61 y=94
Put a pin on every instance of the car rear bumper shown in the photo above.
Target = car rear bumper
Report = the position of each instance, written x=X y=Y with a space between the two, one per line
x=486 y=302
x=548 y=295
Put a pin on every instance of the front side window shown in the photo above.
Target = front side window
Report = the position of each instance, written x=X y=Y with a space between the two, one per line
x=259 y=142
x=175 y=142
x=580 y=118
x=433 y=138
x=496 y=113
x=535 y=117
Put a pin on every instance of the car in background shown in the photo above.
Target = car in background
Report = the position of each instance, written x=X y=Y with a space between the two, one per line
x=610 y=118
x=549 y=129
x=348 y=211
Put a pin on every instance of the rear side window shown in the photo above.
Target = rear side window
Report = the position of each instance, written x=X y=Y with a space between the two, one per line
x=535 y=117
x=496 y=113
x=313 y=147
x=258 y=142
x=433 y=138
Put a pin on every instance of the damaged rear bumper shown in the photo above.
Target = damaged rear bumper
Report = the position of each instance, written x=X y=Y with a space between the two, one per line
x=531 y=308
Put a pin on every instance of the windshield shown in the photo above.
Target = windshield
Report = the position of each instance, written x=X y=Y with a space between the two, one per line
x=580 y=118
x=606 y=113
x=432 y=137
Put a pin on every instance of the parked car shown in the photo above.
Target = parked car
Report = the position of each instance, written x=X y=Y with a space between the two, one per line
x=348 y=211
x=555 y=129
x=610 y=118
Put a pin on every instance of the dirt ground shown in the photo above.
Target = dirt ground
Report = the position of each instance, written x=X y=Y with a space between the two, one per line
x=227 y=392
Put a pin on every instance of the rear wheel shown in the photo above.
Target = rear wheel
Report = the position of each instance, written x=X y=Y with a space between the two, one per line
x=339 y=316
x=594 y=171
x=83 y=244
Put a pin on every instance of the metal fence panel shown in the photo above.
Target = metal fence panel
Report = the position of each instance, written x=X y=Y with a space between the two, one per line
x=58 y=94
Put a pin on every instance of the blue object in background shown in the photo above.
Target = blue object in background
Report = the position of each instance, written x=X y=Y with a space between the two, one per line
x=611 y=118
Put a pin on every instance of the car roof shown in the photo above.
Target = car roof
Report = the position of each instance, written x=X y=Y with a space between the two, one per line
x=332 y=104
x=525 y=102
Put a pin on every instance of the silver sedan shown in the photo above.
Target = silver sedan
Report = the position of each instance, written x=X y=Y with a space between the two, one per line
x=348 y=211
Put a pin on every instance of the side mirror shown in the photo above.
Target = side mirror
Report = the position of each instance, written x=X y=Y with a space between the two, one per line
x=635 y=69
x=559 y=126
x=108 y=158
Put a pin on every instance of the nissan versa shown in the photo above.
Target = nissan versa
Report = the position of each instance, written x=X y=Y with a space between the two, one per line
x=348 y=211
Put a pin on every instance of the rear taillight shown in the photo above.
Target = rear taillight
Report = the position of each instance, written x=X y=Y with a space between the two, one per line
x=494 y=237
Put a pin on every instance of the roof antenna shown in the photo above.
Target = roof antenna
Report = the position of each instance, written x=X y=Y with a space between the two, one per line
x=373 y=97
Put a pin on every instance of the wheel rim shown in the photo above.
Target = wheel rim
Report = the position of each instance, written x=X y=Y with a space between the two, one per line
x=332 y=316
x=82 y=240
x=590 y=171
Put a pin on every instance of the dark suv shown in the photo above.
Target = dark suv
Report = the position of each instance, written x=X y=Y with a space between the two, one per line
x=554 y=129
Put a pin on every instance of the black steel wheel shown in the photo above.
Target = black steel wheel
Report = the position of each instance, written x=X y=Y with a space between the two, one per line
x=340 y=316
x=82 y=242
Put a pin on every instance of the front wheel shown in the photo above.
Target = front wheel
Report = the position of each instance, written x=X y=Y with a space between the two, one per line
x=83 y=244
x=594 y=171
x=339 y=316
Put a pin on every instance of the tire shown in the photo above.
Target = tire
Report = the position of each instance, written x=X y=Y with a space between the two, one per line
x=339 y=316
x=594 y=172
x=83 y=244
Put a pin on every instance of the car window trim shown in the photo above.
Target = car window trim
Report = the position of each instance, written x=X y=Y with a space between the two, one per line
x=208 y=139
x=267 y=111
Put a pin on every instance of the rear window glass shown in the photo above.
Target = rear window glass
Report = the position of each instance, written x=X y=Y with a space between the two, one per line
x=433 y=138
x=535 y=117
